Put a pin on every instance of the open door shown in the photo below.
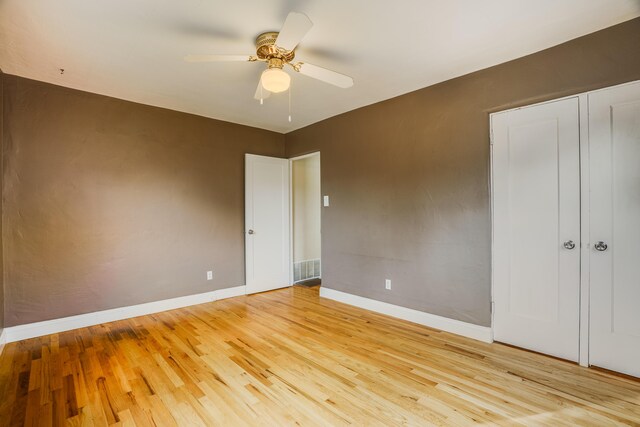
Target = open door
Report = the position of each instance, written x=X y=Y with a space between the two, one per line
x=266 y=223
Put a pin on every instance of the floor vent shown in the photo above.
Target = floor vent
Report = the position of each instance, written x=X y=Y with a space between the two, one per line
x=305 y=270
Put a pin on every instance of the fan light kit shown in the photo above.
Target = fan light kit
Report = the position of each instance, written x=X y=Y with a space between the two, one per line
x=278 y=50
x=275 y=80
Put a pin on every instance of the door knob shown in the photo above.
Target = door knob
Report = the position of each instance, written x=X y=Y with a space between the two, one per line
x=601 y=246
x=251 y=232
x=569 y=244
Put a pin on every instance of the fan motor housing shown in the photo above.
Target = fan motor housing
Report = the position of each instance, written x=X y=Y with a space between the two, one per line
x=266 y=48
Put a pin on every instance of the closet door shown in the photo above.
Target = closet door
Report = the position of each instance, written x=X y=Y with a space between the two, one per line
x=614 y=250
x=536 y=226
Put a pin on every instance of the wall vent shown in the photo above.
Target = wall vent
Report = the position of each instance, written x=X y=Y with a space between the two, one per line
x=305 y=270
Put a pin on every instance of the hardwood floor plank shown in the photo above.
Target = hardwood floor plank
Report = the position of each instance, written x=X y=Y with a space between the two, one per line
x=289 y=357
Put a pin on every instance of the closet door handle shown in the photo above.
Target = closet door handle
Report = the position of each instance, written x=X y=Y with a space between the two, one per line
x=569 y=244
x=601 y=246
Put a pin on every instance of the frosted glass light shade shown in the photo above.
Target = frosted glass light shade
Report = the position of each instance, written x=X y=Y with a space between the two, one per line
x=275 y=80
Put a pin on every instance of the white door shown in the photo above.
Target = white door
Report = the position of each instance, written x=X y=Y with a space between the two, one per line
x=614 y=250
x=536 y=226
x=266 y=223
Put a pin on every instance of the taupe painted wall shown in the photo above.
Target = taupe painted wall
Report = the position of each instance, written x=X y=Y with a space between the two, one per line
x=110 y=203
x=409 y=177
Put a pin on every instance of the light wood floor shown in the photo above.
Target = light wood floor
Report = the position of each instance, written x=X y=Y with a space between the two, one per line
x=289 y=357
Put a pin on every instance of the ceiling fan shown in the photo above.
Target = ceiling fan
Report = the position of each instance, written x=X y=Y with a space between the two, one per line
x=278 y=50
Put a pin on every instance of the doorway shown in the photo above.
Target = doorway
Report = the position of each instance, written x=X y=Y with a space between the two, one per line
x=305 y=219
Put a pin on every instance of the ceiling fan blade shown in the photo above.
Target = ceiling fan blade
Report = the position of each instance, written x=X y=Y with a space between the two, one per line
x=295 y=27
x=325 y=75
x=217 y=58
x=261 y=92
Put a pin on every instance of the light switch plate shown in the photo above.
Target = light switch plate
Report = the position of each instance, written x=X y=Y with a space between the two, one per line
x=325 y=201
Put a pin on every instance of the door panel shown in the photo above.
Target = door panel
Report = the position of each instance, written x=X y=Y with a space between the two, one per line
x=536 y=202
x=614 y=147
x=266 y=223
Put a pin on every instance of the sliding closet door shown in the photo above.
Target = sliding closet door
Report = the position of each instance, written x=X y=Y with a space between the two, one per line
x=614 y=251
x=536 y=225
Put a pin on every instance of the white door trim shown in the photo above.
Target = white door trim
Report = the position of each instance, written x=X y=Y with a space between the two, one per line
x=304 y=156
x=584 y=211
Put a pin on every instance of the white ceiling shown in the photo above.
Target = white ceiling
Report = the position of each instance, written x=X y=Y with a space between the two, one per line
x=133 y=49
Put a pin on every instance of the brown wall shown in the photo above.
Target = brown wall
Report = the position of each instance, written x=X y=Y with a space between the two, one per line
x=110 y=203
x=409 y=177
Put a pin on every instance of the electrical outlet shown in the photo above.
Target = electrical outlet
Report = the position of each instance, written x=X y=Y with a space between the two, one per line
x=209 y=275
x=387 y=284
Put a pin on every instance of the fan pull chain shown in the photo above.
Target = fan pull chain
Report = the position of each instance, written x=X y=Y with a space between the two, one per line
x=289 y=104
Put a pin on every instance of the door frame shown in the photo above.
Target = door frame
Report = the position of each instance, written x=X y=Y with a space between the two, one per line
x=291 y=160
x=585 y=243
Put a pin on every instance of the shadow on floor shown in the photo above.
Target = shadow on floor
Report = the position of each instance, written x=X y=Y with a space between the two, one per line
x=310 y=283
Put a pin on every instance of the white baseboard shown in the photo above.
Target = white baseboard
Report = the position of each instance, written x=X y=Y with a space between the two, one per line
x=3 y=340
x=37 y=329
x=469 y=330
x=230 y=292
